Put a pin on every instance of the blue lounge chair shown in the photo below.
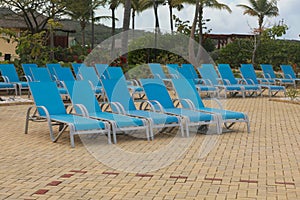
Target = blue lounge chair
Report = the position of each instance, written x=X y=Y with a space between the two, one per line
x=89 y=74
x=289 y=73
x=210 y=76
x=157 y=72
x=229 y=79
x=42 y=75
x=159 y=97
x=51 y=109
x=117 y=93
x=192 y=72
x=101 y=70
x=51 y=67
x=81 y=93
x=270 y=75
x=9 y=74
x=64 y=74
x=250 y=78
x=185 y=73
x=8 y=87
x=187 y=92
x=26 y=69
x=76 y=67
x=173 y=70
x=133 y=86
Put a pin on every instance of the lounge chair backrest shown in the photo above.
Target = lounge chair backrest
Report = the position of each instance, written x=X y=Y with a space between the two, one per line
x=226 y=73
x=288 y=71
x=248 y=73
x=51 y=67
x=114 y=72
x=81 y=93
x=191 y=69
x=77 y=66
x=185 y=89
x=156 y=70
x=208 y=72
x=101 y=70
x=172 y=69
x=9 y=70
x=46 y=94
x=89 y=73
x=40 y=74
x=64 y=74
x=155 y=89
x=27 y=69
x=116 y=91
x=268 y=71
x=185 y=72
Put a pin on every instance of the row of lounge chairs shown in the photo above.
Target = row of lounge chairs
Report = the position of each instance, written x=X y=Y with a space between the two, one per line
x=222 y=80
x=110 y=83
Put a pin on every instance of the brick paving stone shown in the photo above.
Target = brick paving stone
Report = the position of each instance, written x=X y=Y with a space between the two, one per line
x=261 y=165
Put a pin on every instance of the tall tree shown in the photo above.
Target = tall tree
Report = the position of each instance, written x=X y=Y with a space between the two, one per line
x=126 y=23
x=82 y=10
x=198 y=20
x=173 y=4
x=138 y=6
x=260 y=9
x=35 y=13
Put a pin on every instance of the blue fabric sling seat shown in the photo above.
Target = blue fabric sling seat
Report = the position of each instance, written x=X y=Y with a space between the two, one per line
x=81 y=93
x=50 y=107
x=250 y=78
x=229 y=79
x=208 y=73
x=270 y=75
x=289 y=73
x=9 y=73
x=42 y=75
x=186 y=90
x=157 y=93
x=116 y=92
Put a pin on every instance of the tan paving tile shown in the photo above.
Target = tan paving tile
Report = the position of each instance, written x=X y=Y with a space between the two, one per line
x=261 y=165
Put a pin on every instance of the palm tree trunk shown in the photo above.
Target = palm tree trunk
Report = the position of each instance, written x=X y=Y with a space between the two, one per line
x=155 y=6
x=133 y=19
x=171 y=18
x=192 y=58
x=82 y=24
x=200 y=25
x=126 y=23
x=113 y=29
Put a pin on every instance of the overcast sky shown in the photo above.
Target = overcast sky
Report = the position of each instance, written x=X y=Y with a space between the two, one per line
x=221 y=21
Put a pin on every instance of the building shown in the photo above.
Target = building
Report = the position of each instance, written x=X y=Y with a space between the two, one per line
x=14 y=22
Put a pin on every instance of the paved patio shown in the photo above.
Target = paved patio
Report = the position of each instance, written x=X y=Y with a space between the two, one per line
x=264 y=164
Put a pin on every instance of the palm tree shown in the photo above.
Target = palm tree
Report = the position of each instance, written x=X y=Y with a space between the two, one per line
x=198 y=19
x=261 y=9
x=138 y=6
x=81 y=10
x=173 y=4
x=126 y=23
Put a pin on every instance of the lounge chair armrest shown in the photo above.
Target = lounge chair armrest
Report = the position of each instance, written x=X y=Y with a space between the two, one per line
x=134 y=82
x=218 y=102
x=207 y=82
x=226 y=82
x=154 y=105
x=174 y=76
x=28 y=78
x=263 y=80
x=288 y=76
x=156 y=76
x=220 y=81
x=117 y=107
x=82 y=108
x=250 y=80
x=186 y=103
x=6 y=79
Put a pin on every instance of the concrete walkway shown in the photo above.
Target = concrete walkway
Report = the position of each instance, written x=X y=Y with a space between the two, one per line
x=264 y=164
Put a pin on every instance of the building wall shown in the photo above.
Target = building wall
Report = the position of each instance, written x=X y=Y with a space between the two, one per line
x=8 y=48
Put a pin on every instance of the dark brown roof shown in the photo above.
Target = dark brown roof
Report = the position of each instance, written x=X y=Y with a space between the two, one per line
x=9 y=19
